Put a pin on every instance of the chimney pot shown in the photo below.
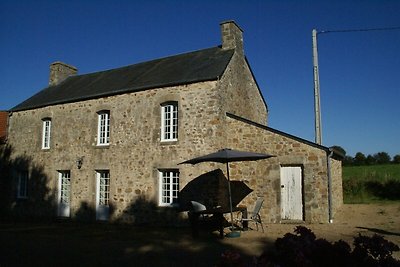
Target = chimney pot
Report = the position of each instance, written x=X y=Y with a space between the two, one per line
x=59 y=71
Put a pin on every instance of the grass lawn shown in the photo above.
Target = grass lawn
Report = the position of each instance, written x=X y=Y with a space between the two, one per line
x=371 y=184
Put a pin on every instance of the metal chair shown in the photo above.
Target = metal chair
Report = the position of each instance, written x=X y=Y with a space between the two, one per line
x=197 y=206
x=254 y=216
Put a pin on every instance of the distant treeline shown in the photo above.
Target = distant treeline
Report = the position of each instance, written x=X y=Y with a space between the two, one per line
x=360 y=159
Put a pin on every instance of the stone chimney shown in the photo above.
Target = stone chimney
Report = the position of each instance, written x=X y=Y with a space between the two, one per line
x=59 y=71
x=232 y=36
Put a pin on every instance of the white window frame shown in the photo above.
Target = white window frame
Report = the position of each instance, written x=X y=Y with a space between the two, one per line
x=169 y=121
x=168 y=187
x=22 y=186
x=103 y=188
x=64 y=194
x=46 y=133
x=103 y=128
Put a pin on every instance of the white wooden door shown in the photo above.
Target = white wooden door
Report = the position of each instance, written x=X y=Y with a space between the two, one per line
x=64 y=193
x=291 y=193
x=102 y=195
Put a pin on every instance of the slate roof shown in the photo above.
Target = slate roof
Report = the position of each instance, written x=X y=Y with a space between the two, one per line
x=336 y=154
x=203 y=65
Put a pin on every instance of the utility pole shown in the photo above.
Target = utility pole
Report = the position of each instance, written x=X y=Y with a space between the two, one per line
x=317 y=105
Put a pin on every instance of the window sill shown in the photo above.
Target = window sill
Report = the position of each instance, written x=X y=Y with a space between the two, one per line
x=169 y=142
x=103 y=146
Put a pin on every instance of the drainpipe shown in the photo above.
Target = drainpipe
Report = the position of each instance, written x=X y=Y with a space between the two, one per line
x=329 y=155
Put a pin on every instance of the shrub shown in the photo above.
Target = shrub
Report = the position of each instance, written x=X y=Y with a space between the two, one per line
x=303 y=249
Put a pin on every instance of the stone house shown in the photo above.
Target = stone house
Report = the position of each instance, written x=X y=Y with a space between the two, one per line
x=106 y=145
x=3 y=126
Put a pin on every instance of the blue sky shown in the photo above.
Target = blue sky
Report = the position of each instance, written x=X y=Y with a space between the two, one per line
x=359 y=72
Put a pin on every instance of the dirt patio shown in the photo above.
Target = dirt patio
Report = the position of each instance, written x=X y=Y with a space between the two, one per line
x=69 y=244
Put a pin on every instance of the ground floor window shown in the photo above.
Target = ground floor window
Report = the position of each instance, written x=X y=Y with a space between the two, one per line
x=103 y=195
x=64 y=193
x=22 y=186
x=168 y=187
x=103 y=187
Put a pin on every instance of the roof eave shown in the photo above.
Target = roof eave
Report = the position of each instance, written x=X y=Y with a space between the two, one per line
x=111 y=93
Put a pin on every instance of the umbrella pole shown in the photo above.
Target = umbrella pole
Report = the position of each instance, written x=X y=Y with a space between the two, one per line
x=230 y=196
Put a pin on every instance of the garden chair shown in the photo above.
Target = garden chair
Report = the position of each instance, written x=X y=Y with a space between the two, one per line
x=198 y=207
x=254 y=216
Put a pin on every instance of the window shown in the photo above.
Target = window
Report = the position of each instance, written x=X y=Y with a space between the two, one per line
x=22 y=186
x=103 y=129
x=64 y=186
x=103 y=187
x=103 y=195
x=46 y=133
x=169 y=122
x=169 y=187
x=64 y=192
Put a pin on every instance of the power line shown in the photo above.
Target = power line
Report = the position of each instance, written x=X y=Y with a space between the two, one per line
x=362 y=30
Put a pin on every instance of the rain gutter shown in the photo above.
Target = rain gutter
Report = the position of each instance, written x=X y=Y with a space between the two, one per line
x=329 y=156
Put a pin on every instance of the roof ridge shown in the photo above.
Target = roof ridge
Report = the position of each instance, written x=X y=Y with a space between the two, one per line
x=189 y=67
x=146 y=62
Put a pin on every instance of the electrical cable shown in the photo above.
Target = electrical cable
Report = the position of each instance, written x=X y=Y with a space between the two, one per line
x=360 y=30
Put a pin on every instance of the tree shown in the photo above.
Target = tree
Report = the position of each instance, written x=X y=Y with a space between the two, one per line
x=382 y=158
x=348 y=161
x=396 y=159
x=359 y=159
x=340 y=150
x=370 y=160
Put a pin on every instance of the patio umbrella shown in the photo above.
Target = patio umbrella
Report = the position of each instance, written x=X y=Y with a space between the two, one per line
x=227 y=155
x=211 y=190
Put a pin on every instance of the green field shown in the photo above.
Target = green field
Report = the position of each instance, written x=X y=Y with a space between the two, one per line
x=371 y=184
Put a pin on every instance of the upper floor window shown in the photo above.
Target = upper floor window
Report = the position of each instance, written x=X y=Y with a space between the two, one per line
x=103 y=129
x=169 y=121
x=46 y=133
x=168 y=187
x=22 y=186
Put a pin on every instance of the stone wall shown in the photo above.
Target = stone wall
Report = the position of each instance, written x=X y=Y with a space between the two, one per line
x=264 y=176
x=135 y=153
x=243 y=97
x=337 y=186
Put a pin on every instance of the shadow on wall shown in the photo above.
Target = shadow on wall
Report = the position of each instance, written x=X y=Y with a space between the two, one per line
x=144 y=211
x=40 y=202
x=37 y=202
x=85 y=213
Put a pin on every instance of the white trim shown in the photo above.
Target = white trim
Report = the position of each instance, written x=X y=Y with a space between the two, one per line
x=102 y=195
x=46 y=133
x=103 y=128
x=168 y=187
x=64 y=193
x=169 y=122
